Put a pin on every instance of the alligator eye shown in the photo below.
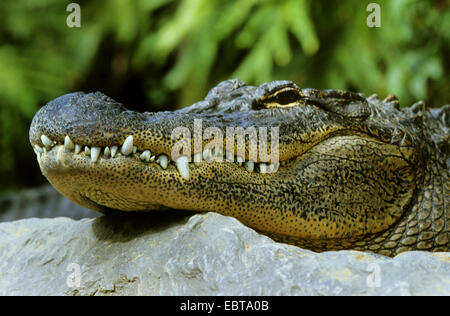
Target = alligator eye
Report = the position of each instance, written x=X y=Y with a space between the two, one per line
x=284 y=97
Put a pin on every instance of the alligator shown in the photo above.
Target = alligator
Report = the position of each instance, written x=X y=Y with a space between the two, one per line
x=343 y=171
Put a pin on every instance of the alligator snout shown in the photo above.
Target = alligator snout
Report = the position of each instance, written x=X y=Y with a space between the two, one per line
x=85 y=117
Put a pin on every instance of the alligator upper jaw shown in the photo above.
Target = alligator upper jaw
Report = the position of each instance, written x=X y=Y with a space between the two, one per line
x=94 y=121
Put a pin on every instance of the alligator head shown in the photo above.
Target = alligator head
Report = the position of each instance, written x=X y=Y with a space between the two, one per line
x=322 y=169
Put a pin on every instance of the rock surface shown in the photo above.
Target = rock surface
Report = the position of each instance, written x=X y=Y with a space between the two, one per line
x=205 y=254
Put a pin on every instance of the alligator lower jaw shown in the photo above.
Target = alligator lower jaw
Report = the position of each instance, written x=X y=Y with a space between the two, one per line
x=91 y=176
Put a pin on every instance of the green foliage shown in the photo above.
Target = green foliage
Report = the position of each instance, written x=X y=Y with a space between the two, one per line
x=168 y=54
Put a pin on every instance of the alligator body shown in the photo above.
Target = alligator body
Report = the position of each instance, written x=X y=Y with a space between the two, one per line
x=338 y=170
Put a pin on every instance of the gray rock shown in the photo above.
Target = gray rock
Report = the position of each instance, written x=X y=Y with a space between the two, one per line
x=171 y=253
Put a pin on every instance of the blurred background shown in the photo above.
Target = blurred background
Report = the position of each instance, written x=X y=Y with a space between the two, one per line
x=156 y=55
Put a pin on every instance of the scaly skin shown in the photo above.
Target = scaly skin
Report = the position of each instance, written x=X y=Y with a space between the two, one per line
x=354 y=173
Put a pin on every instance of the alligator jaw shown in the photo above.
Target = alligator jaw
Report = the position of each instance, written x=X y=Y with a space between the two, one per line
x=130 y=183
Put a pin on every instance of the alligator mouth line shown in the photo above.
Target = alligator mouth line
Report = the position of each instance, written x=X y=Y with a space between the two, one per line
x=183 y=164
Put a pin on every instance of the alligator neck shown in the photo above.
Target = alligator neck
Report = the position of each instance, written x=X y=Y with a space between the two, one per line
x=425 y=226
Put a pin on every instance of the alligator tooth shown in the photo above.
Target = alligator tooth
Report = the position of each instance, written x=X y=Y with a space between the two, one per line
x=263 y=167
x=229 y=156
x=107 y=151
x=59 y=153
x=207 y=153
x=114 y=151
x=46 y=141
x=38 y=149
x=197 y=159
x=183 y=167
x=95 y=153
x=217 y=155
x=127 y=147
x=239 y=160
x=38 y=153
x=87 y=150
x=134 y=149
x=77 y=148
x=273 y=167
x=152 y=158
x=145 y=155
x=163 y=160
x=249 y=165
x=68 y=143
